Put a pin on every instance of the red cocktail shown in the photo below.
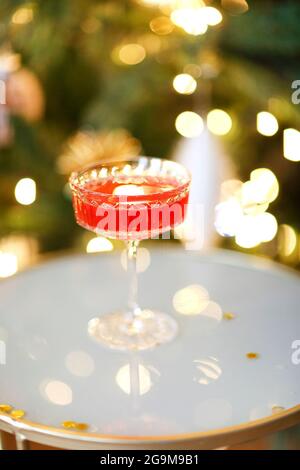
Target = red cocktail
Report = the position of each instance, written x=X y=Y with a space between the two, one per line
x=131 y=207
x=131 y=200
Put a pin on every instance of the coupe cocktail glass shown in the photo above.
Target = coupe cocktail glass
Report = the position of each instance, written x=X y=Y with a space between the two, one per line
x=131 y=200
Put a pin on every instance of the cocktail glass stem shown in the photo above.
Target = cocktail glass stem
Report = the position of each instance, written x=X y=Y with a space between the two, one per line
x=131 y=251
x=135 y=313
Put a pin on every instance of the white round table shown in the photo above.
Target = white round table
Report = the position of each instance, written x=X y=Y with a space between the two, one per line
x=227 y=378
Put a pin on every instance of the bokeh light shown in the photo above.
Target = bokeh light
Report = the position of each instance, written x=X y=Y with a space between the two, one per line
x=219 y=122
x=213 y=311
x=247 y=235
x=8 y=264
x=184 y=84
x=190 y=20
x=291 y=145
x=132 y=54
x=266 y=123
x=161 y=25
x=23 y=15
x=193 y=69
x=211 y=15
x=287 y=242
x=98 y=245
x=261 y=189
x=266 y=185
x=17 y=252
x=57 y=392
x=25 y=191
x=189 y=124
x=249 y=197
x=151 y=43
x=142 y=382
x=191 y=300
x=230 y=188
x=267 y=226
x=80 y=363
x=254 y=230
x=242 y=210
x=228 y=217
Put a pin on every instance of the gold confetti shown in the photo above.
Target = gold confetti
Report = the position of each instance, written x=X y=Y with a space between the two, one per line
x=277 y=409
x=252 y=355
x=228 y=316
x=5 y=408
x=69 y=424
x=82 y=426
x=75 y=425
x=17 y=414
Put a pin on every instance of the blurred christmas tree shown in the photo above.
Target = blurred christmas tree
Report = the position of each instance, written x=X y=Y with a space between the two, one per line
x=109 y=66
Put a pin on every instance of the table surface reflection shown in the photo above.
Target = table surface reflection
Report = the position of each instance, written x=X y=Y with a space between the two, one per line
x=227 y=305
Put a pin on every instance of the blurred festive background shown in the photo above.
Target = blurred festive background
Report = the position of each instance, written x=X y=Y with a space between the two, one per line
x=207 y=83
x=90 y=80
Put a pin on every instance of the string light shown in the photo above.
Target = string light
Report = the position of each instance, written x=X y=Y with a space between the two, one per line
x=219 y=122
x=189 y=124
x=291 y=145
x=25 y=191
x=266 y=123
x=132 y=54
x=184 y=84
x=99 y=244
